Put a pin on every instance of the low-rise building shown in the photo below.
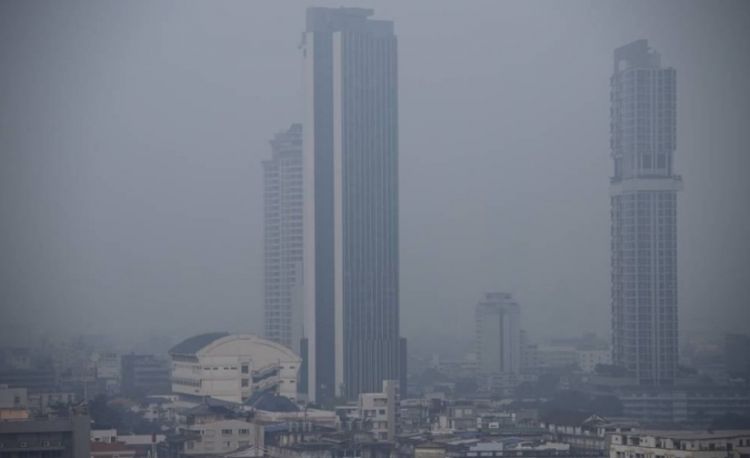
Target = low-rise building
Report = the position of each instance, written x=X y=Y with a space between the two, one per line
x=498 y=448
x=43 y=403
x=378 y=412
x=585 y=432
x=222 y=437
x=694 y=405
x=49 y=438
x=458 y=416
x=232 y=367
x=678 y=444
x=108 y=371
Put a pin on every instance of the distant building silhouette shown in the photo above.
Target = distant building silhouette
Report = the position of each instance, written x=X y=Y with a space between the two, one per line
x=737 y=355
x=644 y=215
x=498 y=334
x=144 y=375
x=282 y=237
x=351 y=203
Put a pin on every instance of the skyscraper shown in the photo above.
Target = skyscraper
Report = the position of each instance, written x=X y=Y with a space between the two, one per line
x=283 y=246
x=498 y=334
x=643 y=196
x=351 y=203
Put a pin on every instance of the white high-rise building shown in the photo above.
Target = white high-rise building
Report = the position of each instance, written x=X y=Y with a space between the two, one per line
x=498 y=319
x=644 y=215
x=351 y=203
x=282 y=233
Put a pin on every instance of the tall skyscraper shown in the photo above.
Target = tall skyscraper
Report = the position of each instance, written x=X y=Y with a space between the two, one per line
x=498 y=334
x=643 y=196
x=351 y=203
x=283 y=246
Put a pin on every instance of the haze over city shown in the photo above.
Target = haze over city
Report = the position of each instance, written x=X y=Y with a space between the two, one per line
x=132 y=135
x=384 y=229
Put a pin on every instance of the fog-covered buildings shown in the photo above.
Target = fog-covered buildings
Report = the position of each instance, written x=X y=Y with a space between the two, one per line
x=282 y=239
x=351 y=254
x=144 y=375
x=498 y=334
x=643 y=194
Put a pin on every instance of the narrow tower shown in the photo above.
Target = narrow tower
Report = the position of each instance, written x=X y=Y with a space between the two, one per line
x=282 y=233
x=351 y=203
x=643 y=196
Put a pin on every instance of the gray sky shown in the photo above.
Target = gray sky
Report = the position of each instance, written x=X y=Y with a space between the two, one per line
x=131 y=135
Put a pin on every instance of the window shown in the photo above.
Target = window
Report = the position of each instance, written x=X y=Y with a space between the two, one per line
x=245 y=382
x=244 y=432
x=245 y=369
x=226 y=432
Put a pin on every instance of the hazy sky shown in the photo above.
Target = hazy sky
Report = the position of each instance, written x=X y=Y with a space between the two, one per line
x=132 y=134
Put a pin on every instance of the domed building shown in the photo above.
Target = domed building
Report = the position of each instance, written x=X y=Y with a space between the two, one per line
x=232 y=367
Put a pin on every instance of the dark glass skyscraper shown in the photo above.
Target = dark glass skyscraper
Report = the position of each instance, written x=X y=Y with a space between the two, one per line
x=351 y=203
x=644 y=215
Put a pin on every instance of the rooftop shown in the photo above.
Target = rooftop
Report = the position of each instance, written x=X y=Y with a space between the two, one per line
x=194 y=344
x=692 y=434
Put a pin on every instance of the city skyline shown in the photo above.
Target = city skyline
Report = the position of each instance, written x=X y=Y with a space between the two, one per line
x=101 y=239
x=428 y=230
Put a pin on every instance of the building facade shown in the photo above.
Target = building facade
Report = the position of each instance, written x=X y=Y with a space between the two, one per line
x=232 y=367
x=222 y=437
x=643 y=196
x=694 y=405
x=680 y=444
x=498 y=334
x=351 y=259
x=49 y=438
x=282 y=236
x=144 y=375
x=378 y=412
